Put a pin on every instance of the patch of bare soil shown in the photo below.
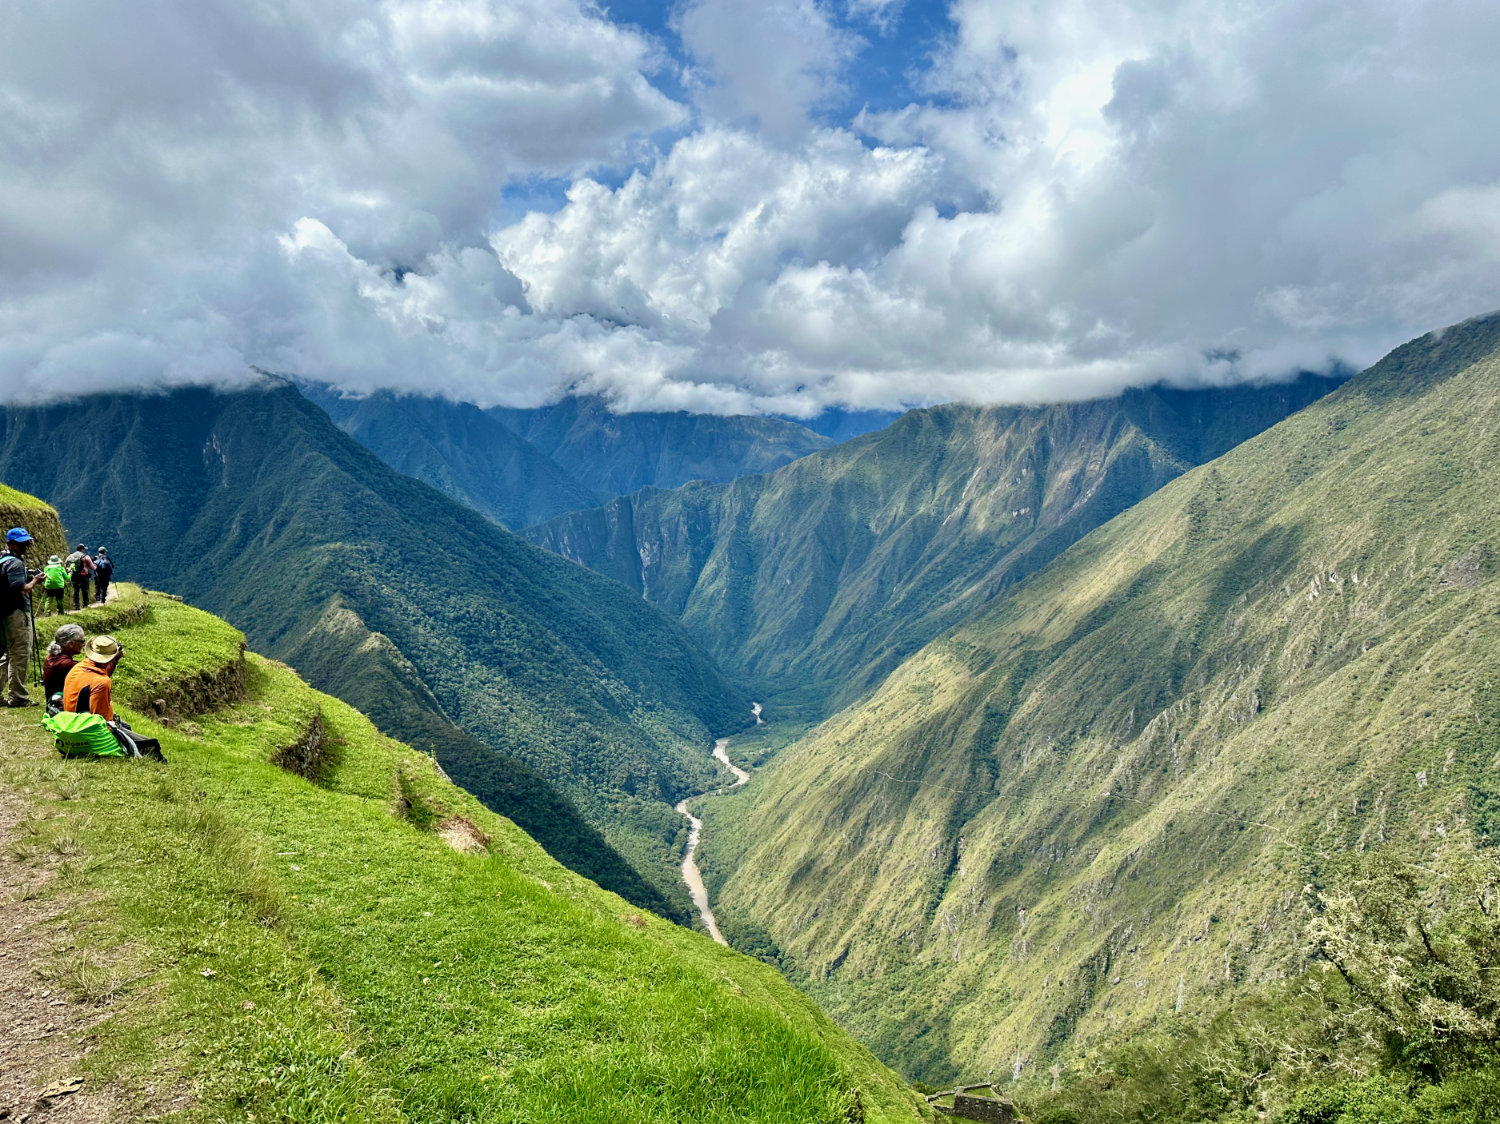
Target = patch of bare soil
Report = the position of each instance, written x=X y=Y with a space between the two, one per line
x=463 y=834
x=43 y=1032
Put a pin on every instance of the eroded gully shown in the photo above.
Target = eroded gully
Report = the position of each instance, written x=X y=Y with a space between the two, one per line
x=690 y=873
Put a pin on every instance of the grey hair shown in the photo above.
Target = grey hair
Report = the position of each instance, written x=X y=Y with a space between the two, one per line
x=62 y=635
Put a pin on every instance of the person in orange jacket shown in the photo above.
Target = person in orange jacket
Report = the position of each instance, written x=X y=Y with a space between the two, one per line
x=89 y=688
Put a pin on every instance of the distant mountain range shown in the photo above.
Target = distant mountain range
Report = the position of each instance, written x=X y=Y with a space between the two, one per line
x=1098 y=800
x=521 y=467
x=448 y=630
x=813 y=582
x=612 y=454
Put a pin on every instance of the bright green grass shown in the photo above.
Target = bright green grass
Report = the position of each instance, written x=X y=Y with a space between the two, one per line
x=358 y=968
x=12 y=497
x=19 y=509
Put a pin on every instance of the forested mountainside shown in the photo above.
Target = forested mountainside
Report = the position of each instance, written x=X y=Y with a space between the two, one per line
x=1113 y=795
x=445 y=628
x=612 y=454
x=814 y=581
x=522 y=467
x=295 y=918
x=461 y=451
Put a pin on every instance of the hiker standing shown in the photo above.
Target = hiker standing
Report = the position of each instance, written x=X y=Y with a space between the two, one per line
x=104 y=568
x=16 y=584
x=55 y=582
x=80 y=565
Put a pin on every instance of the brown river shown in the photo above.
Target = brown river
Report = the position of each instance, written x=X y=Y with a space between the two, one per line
x=690 y=872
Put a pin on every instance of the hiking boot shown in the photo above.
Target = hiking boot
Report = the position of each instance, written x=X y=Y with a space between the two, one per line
x=21 y=702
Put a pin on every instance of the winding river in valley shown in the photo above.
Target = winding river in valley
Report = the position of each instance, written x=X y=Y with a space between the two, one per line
x=690 y=872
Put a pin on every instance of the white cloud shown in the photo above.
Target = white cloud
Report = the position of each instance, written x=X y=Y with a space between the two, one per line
x=765 y=64
x=153 y=154
x=1087 y=196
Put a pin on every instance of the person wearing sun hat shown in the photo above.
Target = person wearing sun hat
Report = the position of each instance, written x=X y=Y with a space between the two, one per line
x=89 y=687
x=55 y=582
x=16 y=584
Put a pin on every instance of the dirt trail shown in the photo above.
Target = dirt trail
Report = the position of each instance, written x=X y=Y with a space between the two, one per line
x=690 y=872
x=43 y=1033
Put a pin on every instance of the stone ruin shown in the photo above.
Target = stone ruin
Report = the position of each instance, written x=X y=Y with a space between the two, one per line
x=977 y=1102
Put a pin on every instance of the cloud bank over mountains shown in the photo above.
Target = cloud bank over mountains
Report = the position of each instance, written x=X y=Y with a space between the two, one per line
x=742 y=207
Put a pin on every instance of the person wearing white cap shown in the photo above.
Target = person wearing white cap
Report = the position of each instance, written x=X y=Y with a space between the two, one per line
x=16 y=584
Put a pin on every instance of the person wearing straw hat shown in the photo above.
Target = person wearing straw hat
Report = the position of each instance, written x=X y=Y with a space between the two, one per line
x=16 y=584
x=89 y=687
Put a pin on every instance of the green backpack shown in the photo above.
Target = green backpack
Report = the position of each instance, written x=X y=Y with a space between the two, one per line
x=82 y=735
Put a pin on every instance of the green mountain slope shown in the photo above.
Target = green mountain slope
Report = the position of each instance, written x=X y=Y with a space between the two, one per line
x=612 y=454
x=461 y=451
x=1100 y=800
x=814 y=581
x=242 y=942
x=446 y=628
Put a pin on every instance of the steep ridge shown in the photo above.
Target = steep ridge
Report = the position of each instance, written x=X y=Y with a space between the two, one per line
x=297 y=918
x=612 y=454
x=509 y=662
x=1101 y=799
x=461 y=451
x=814 y=581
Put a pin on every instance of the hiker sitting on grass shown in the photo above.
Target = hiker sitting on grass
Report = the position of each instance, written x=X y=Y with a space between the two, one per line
x=16 y=584
x=55 y=582
x=88 y=687
x=67 y=642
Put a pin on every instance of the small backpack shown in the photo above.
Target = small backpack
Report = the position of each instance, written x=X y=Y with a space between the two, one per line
x=82 y=735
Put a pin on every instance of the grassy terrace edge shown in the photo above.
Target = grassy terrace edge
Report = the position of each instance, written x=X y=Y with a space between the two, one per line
x=371 y=943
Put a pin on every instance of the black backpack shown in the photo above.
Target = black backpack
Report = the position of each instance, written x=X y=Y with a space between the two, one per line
x=11 y=599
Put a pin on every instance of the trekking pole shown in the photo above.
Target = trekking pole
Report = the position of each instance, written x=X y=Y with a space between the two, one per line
x=36 y=652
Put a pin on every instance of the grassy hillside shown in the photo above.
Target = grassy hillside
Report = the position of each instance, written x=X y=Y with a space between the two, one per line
x=17 y=509
x=461 y=451
x=612 y=454
x=299 y=919
x=1100 y=801
x=815 y=581
x=447 y=629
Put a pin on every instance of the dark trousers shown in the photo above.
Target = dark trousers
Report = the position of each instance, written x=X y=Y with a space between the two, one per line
x=55 y=598
x=101 y=588
x=80 y=593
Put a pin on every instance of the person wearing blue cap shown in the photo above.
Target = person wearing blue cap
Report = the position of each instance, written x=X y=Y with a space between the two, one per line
x=16 y=584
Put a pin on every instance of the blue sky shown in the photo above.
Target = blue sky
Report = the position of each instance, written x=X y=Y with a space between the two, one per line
x=728 y=207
